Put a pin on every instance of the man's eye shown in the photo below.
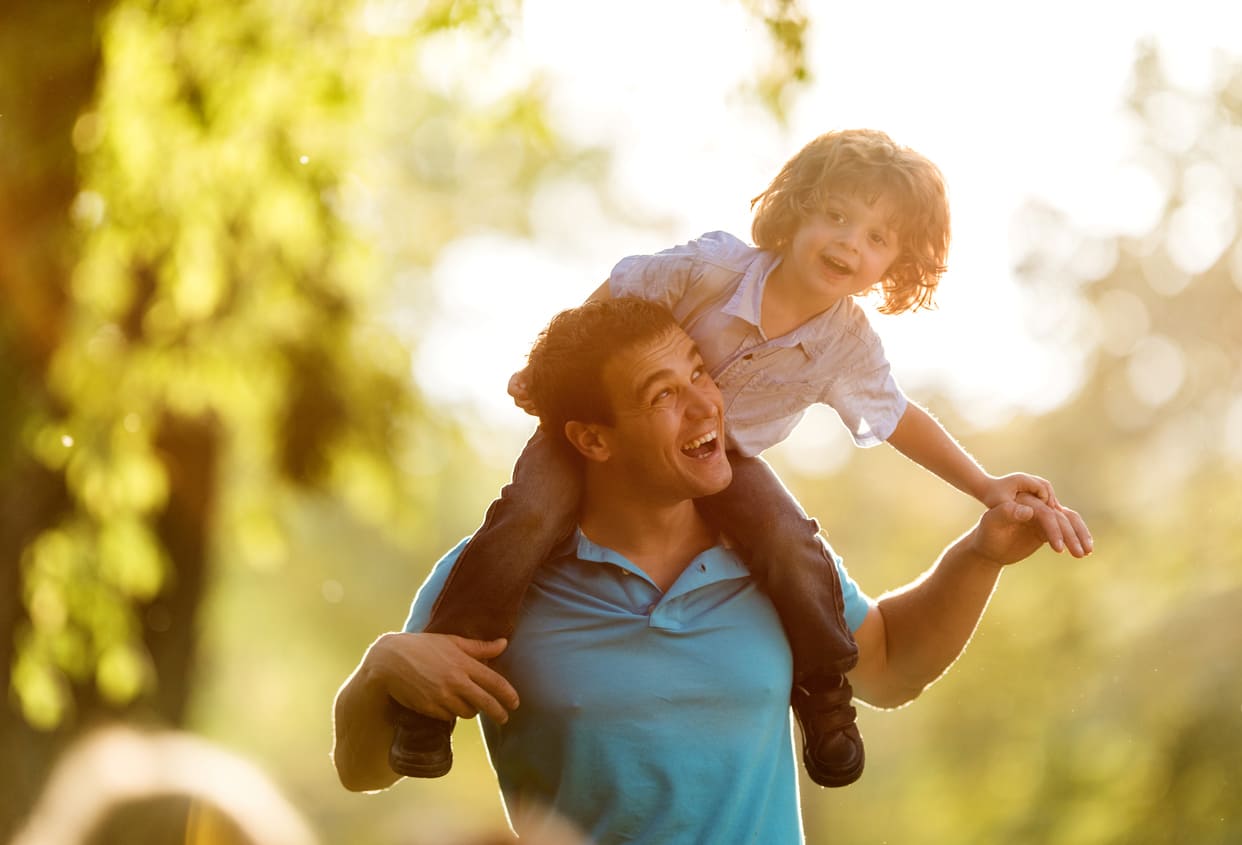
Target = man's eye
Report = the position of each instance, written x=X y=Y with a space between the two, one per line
x=696 y=374
x=663 y=394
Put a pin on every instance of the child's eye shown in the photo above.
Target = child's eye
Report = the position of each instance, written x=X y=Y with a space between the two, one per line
x=878 y=239
x=835 y=216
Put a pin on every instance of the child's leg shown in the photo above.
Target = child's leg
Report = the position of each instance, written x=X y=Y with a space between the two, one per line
x=484 y=591
x=535 y=510
x=783 y=550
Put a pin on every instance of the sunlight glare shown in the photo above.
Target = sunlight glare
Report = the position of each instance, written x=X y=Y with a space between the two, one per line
x=1233 y=429
x=1204 y=226
x=1156 y=369
x=1123 y=320
x=1005 y=125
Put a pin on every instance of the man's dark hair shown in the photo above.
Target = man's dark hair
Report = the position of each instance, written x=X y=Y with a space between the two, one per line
x=566 y=371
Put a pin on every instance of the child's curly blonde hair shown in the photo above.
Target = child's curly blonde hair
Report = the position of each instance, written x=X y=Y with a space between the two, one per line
x=865 y=163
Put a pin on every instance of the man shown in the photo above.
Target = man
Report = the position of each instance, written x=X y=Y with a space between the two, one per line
x=654 y=673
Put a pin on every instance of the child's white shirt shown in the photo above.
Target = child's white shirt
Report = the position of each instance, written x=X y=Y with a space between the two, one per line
x=714 y=287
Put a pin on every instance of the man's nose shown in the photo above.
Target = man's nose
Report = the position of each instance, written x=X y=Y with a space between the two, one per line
x=704 y=401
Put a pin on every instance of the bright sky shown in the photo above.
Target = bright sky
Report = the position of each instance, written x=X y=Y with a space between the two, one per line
x=1011 y=102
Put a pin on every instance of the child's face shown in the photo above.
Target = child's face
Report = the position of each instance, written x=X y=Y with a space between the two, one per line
x=845 y=249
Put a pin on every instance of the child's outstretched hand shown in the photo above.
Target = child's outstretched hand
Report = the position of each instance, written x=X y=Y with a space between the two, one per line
x=519 y=389
x=1009 y=487
x=1006 y=488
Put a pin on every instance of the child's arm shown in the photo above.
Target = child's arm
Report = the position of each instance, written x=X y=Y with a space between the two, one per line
x=922 y=439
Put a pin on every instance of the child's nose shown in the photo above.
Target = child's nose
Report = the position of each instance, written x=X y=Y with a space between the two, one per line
x=850 y=236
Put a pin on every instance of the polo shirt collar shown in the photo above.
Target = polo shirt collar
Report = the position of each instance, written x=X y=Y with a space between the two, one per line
x=715 y=564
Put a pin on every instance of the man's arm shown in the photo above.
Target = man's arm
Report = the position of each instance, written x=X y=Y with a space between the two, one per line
x=915 y=633
x=437 y=674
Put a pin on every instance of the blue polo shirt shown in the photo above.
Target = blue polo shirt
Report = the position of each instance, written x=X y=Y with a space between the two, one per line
x=647 y=716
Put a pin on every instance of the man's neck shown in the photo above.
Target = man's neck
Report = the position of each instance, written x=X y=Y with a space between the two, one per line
x=660 y=539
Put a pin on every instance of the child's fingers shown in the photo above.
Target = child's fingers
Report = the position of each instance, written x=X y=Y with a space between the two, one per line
x=1042 y=489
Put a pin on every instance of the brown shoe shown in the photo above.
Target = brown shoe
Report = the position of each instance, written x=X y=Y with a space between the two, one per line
x=421 y=745
x=832 y=748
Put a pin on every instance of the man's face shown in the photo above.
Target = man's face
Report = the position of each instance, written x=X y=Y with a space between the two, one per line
x=667 y=443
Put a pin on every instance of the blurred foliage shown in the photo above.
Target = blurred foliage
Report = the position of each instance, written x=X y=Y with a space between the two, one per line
x=222 y=277
x=207 y=213
x=779 y=82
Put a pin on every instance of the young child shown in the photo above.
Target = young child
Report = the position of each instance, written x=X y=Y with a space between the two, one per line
x=779 y=329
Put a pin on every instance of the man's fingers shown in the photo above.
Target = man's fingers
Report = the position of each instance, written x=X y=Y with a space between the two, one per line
x=499 y=693
x=481 y=649
x=1079 y=530
x=444 y=709
x=484 y=702
x=1050 y=526
x=496 y=686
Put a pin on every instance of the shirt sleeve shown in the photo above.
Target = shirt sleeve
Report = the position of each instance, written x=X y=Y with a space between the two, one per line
x=665 y=276
x=425 y=598
x=857 y=603
x=866 y=396
x=870 y=407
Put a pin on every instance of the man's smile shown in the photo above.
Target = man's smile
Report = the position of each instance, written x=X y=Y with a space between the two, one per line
x=703 y=446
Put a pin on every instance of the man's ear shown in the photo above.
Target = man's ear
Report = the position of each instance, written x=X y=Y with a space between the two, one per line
x=588 y=439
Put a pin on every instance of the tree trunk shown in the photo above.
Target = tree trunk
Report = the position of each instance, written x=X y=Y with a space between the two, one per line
x=50 y=65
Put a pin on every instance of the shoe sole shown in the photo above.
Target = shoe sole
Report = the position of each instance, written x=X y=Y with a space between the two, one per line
x=415 y=767
x=835 y=779
x=839 y=779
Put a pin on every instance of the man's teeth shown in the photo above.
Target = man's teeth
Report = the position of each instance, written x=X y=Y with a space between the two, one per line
x=699 y=441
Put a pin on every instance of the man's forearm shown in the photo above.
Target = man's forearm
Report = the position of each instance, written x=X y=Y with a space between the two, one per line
x=362 y=734
x=928 y=622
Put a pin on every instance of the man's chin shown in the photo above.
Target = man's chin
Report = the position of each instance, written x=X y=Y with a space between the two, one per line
x=714 y=479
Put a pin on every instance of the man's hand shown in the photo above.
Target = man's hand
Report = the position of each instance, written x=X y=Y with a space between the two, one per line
x=1012 y=530
x=519 y=389
x=442 y=675
x=436 y=674
x=1008 y=488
